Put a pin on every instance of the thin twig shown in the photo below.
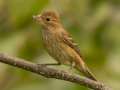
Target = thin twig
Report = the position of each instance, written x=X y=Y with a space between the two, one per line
x=51 y=73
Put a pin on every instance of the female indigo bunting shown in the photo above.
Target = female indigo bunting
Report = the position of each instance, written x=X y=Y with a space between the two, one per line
x=59 y=43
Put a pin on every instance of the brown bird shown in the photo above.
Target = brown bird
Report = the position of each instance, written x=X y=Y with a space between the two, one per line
x=59 y=43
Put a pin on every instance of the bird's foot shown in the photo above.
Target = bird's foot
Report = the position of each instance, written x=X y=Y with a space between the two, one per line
x=49 y=64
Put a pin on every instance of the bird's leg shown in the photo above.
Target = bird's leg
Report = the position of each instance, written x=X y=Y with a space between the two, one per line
x=71 y=67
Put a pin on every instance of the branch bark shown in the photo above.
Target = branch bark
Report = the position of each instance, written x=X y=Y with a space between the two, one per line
x=51 y=73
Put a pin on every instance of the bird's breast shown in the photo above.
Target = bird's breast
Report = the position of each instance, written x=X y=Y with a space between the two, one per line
x=54 y=47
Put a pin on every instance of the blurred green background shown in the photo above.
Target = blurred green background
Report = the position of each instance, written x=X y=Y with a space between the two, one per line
x=94 y=24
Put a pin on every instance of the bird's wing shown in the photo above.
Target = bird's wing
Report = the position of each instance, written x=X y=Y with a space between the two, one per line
x=67 y=39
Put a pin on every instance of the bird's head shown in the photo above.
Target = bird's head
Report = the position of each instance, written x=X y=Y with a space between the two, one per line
x=48 y=19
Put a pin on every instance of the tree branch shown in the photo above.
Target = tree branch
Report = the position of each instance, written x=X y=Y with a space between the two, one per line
x=50 y=72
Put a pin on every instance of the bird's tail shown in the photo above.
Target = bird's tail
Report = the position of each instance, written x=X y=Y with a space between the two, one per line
x=85 y=71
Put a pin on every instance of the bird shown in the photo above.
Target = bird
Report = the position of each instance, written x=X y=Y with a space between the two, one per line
x=59 y=43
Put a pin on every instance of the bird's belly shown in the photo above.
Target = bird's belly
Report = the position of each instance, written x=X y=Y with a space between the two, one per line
x=57 y=52
x=61 y=52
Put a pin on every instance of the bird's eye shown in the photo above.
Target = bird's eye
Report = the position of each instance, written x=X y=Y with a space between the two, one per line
x=47 y=19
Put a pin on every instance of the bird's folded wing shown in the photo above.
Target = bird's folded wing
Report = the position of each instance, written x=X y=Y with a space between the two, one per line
x=67 y=39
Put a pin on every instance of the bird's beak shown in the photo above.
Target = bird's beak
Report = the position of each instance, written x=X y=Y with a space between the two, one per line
x=37 y=17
